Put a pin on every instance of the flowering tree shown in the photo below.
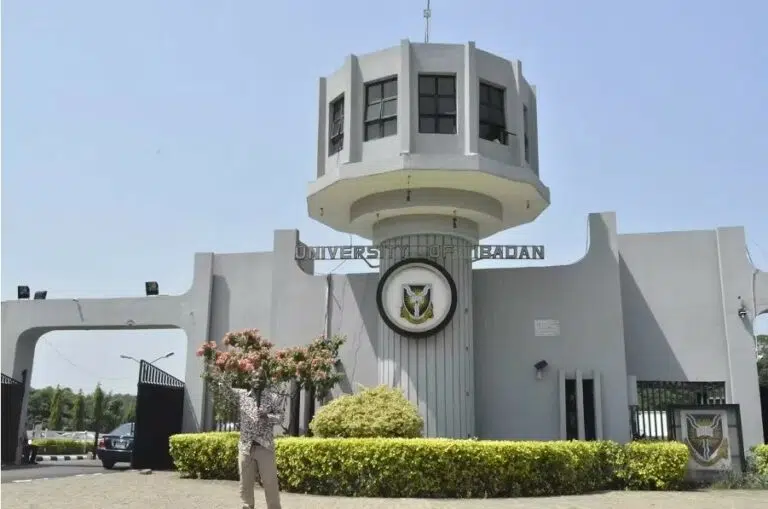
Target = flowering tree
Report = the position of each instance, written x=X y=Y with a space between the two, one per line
x=250 y=362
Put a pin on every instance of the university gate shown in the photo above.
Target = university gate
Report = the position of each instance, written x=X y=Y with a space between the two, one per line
x=159 y=414
x=12 y=398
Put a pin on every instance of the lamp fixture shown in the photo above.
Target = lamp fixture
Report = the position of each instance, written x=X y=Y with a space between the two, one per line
x=151 y=288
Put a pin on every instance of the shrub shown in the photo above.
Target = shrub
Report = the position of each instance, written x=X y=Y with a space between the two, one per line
x=652 y=465
x=206 y=455
x=760 y=457
x=379 y=412
x=397 y=467
x=62 y=446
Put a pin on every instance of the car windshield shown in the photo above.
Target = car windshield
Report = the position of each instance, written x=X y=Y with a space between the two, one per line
x=123 y=429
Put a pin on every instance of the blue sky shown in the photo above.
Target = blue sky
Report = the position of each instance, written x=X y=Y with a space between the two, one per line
x=135 y=134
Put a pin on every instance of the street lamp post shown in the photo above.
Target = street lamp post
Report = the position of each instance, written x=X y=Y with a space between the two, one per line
x=137 y=361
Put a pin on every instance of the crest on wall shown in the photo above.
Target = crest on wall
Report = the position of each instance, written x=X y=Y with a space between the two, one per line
x=417 y=305
x=706 y=435
x=416 y=297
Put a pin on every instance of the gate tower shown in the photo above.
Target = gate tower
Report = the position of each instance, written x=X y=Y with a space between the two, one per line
x=426 y=146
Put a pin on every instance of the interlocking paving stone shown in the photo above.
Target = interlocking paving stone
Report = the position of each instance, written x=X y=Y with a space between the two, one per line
x=165 y=490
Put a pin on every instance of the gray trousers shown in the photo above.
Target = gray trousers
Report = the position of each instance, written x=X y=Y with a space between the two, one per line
x=258 y=461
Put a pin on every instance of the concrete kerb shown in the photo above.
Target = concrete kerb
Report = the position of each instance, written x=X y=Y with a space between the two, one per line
x=64 y=457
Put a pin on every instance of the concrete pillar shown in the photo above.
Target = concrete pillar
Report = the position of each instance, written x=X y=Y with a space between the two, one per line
x=436 y=373
x=580 y=404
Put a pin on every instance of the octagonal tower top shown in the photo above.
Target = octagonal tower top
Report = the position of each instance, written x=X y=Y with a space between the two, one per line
x=439 y=131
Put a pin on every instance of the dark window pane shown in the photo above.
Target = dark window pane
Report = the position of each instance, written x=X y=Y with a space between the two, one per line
x=446 y=105
x=527 y=147
x=427 y=106
x=390 y=108
x=427 y=85
x=485 y=131
x=484 y=113
x=337 y=128
x=497 y=97
x=374 y=93
x=497 y=117
x=336 y=146
x=426 y=124
x=484 y=93
x=372 y=131
x=390 y=88
x=492 y=133
x=446 y=125
x=373 y=112
x=446 y=85
x=390 y=127
x=525 y=116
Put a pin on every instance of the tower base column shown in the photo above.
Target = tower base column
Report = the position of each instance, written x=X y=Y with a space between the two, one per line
x=435 y=372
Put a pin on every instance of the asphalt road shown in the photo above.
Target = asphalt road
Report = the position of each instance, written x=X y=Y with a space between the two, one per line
x=54 y=469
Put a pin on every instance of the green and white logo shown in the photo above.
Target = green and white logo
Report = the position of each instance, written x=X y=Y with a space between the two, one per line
x=416 y=297
x=417 y=304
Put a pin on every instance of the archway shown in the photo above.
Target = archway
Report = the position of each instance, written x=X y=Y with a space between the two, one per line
x=76 y=362
x=70 y=363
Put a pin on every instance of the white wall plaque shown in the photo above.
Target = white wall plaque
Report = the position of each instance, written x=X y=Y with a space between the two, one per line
x=546 y=327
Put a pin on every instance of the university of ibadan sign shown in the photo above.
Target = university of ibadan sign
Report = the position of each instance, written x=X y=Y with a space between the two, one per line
x=488 y=252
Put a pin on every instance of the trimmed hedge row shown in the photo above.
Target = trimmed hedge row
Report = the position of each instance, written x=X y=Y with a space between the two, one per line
x=761 y=459
x=62 y=446
x=443 y=468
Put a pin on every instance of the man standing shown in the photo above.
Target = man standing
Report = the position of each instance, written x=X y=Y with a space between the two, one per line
x=259 y=413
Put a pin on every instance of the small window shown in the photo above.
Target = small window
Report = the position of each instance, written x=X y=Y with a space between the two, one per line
x=493 y=125
x=526 y=143
x=380 y=118
x=336 y=126
x=437 y=104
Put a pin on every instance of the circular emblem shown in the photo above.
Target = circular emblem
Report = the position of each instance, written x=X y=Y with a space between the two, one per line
x=416 y=297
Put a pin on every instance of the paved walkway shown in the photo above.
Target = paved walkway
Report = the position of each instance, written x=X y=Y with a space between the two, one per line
x=164 y=490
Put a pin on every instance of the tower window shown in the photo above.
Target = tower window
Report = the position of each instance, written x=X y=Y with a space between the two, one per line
x=437 y=104
x=380 y=109
x=336 y=126
x=526 y=143
x=493 y=125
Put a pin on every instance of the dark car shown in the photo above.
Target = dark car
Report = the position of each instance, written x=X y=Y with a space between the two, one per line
x=116 y=446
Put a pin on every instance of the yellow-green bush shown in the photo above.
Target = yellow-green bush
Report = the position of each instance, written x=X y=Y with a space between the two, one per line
x=372 y=413
x=652 y=465
x=761 y=459
x=206 y=455
x=397 y=467
x=62 y=446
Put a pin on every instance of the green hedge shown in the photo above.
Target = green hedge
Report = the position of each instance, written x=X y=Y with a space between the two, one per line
x=395 y=467
x=62 y=446
x=761 y=459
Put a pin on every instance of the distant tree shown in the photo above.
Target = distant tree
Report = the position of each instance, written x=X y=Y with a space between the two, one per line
x=762 y=360
x=55 y=417
x=39 y=406
x=113 y=417
x=130 y=413
x=79 y=412
x=98 y=408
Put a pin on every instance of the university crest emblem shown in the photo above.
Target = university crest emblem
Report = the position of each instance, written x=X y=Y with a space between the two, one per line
x=706 y=438
x=417 y=305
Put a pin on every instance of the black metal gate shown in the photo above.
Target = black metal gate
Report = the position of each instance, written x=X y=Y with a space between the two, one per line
x=648 y=419
x=159 y=414
x=12 y=398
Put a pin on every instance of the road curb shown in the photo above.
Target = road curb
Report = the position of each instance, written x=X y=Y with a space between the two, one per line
x=67 y=457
